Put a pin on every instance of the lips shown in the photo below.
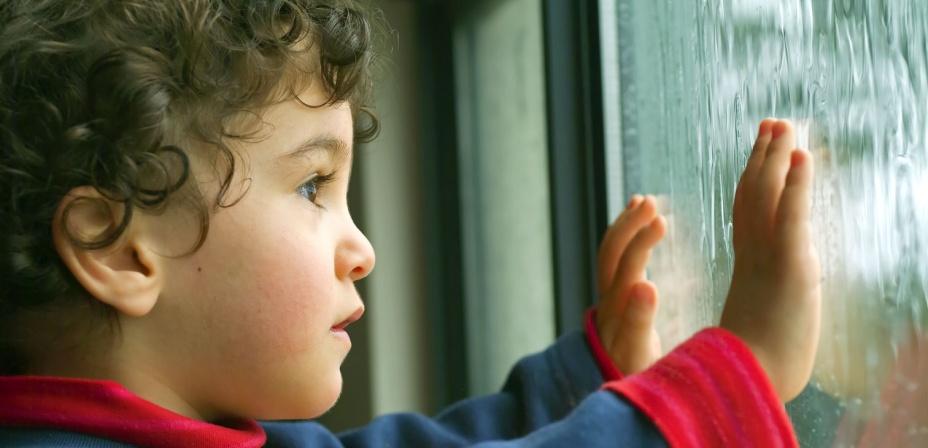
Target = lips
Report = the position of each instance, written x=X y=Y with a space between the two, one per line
x=352 y=318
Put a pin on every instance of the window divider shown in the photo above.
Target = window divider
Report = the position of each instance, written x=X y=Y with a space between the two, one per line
x=576 y=153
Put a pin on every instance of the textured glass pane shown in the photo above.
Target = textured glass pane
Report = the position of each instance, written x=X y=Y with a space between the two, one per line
x=697 y=76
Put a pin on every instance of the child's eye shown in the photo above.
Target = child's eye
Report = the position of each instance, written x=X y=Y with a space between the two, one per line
x=310 y=189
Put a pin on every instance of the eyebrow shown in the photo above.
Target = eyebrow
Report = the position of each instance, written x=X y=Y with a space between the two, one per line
x=335 y=148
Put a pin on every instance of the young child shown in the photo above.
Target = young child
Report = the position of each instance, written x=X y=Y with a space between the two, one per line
x=178 y=260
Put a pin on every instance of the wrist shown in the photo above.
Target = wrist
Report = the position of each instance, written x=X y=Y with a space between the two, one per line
x=607 y=367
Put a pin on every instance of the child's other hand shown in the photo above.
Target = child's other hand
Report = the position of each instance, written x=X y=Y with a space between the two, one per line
x=774 y=303
x=628 y=302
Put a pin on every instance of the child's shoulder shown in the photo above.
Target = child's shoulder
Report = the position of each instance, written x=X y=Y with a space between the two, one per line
x=42 y=437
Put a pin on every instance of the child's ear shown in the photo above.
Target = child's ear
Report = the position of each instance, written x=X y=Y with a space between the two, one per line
x=125 y=275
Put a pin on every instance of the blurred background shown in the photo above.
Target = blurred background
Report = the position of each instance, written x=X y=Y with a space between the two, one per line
x=515 y=130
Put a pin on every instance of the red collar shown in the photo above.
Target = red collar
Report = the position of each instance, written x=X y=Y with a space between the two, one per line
x=106 y=409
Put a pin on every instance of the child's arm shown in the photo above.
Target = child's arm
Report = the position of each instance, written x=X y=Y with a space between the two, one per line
x=552 y=398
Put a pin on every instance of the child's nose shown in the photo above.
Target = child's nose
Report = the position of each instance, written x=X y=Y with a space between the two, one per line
x=355 y=258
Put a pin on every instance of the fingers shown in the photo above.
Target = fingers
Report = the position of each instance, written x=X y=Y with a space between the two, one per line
x=623 y=256
x=748 y=178
x=631 y=267
x=772 y=177
x=793 y=234
x=637 y=343
x=640 y=211
x=759 y=152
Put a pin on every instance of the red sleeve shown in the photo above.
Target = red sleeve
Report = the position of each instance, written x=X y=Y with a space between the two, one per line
x=710 y=392
x=606 y=366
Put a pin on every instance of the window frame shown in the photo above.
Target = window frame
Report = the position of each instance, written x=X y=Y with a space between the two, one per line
x=577 y=155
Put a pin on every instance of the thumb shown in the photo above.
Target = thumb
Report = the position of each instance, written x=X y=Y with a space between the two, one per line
x=641 y=308
x=636 y=332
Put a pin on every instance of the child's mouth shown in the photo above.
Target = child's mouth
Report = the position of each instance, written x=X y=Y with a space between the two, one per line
x=339 y=330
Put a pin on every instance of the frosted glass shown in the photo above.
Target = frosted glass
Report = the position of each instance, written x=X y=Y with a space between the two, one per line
x=696 y=78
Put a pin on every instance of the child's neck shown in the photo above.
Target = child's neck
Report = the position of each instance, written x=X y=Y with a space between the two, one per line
x=131 y=374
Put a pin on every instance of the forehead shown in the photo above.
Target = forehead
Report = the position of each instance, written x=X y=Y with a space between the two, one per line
x=299 y=125
x=324 y=145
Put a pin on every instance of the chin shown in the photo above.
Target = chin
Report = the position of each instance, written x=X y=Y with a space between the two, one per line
x=323 y=399
x=326 y=406
x=315 y=400
x=306 y=410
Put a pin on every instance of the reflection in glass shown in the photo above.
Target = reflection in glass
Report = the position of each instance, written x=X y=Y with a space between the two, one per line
x=696 y=78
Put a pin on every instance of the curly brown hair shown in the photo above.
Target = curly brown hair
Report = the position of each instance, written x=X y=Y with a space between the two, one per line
x=91 y=91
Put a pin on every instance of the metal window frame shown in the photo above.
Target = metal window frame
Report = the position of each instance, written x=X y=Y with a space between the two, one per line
x=577 y=153
x=441 y=201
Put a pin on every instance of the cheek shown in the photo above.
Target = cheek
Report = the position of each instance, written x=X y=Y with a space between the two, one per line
x=287 y=303
x=268 y=293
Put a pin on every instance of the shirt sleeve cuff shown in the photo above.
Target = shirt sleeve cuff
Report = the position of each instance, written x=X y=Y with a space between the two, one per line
x=606 y=366
x=709 y=392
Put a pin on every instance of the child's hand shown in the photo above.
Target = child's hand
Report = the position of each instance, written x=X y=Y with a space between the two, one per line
x=628 y=302
x=774 y=303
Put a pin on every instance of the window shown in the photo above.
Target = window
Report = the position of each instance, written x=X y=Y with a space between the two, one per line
x=689 y=81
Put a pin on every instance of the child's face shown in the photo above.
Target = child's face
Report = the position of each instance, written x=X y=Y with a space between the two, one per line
x=249 y=325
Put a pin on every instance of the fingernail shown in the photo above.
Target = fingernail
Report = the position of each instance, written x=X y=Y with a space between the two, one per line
x=640 y=297
x=796 y=159
x=647 y=198
x=632 y=202
x=639 y=306
x=764 y=128
x=778 y=129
